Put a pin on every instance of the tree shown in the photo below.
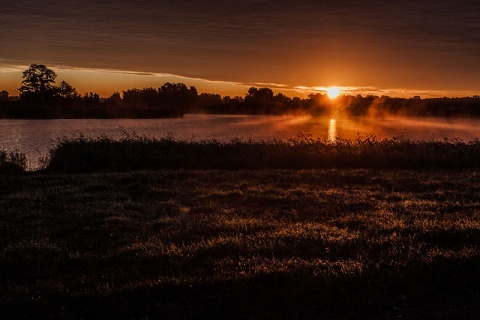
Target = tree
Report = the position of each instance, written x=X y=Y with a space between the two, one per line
x=115 y=100
x=281 y=98
x=38 y=84
x=259 y=101
x=91 y=99
x=210 y=99
x=260 y=95
x=4 y=95
x=133 y=98
x=66 y=91
x=177 y=96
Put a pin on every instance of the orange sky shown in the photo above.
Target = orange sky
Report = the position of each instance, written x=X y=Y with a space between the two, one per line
x=295 y=47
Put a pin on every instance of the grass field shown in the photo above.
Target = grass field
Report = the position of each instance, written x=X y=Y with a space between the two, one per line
x=245 y=244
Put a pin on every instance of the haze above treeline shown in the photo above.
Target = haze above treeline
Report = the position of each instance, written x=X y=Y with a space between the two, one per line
x=41 y=97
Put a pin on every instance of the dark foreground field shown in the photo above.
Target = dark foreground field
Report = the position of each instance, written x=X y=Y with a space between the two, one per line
x=318 y=244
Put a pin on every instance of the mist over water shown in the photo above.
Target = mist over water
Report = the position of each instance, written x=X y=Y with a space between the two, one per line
x=36 y=137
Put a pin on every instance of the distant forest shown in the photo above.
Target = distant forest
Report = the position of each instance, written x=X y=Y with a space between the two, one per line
x=40 y=98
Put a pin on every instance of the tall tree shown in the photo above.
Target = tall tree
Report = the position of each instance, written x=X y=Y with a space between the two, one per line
x=38 y=84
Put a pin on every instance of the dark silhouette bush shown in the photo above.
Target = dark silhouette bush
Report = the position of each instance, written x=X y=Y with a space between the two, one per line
x=12 y=163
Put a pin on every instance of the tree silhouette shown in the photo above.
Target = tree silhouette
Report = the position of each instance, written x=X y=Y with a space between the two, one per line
x=260 y=95
x=66 y=91
x=91 y=99
x=4 y=95
x=177 y=96
x=38 y=84
x=115 y=100
x=140 y=98
x=259 y=101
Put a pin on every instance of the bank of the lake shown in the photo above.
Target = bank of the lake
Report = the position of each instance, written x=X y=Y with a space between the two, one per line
x=84 y=155
x=34 y=138
x=335 y=244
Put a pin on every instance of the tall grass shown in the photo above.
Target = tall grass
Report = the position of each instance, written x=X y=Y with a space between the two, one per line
x=12 y=162
x=303 y=152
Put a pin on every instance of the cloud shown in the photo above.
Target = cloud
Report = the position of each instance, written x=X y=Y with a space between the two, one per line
x=267 y=84
x=360 y=43
x=6 y=68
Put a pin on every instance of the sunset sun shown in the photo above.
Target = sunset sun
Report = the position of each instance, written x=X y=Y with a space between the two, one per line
x=333 y=92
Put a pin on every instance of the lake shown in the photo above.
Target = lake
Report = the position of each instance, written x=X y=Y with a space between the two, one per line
x=35 y=137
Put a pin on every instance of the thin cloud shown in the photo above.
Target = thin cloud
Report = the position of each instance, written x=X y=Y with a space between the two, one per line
x=242 y=42
x=270 y=85
x=398 y=92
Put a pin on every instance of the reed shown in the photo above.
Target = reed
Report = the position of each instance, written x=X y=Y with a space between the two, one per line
x=13 y=162
x=303 y=152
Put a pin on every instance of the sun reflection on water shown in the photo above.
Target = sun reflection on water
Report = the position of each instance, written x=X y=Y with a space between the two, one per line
x=332 y=131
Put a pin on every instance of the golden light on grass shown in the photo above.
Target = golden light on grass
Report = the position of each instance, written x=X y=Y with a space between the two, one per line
x=333 y=92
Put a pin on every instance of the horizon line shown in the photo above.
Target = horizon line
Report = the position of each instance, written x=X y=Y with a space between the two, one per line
x=280 y=87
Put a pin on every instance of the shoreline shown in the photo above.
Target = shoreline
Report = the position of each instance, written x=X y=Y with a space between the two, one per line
x=132 y=153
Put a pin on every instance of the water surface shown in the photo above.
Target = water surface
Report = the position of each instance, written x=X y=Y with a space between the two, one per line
x=35 y=137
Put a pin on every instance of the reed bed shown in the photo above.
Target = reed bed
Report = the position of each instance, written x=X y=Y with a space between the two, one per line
x=13 y=162
x=303 y=152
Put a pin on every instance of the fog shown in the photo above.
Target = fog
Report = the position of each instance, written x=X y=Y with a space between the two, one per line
x=36 y=137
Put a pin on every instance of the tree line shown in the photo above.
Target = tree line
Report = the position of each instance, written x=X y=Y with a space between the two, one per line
x=41 y=98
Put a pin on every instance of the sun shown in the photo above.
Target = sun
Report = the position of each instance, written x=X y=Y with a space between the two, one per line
x=333 y=92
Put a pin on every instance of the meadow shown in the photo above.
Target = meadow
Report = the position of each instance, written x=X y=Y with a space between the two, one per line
x=375 y=240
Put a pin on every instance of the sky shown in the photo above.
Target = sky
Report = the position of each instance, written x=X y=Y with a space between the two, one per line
x=396 y=48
